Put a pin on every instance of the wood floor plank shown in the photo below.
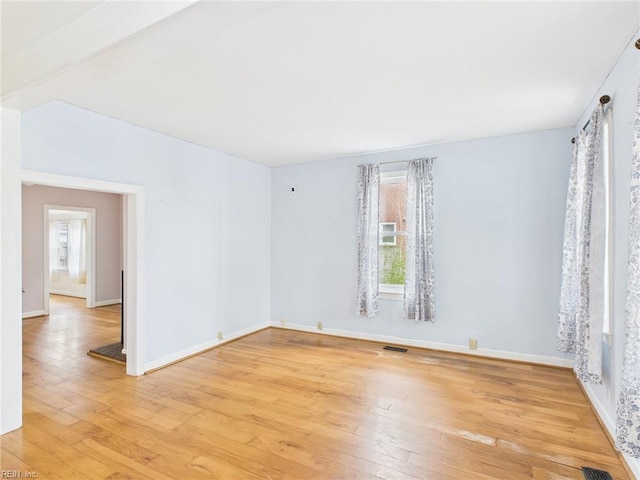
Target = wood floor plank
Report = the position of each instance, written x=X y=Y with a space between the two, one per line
x=16 y=467
x=42 y=462
x=283 y=405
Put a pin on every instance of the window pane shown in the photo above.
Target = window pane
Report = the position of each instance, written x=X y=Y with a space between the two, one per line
x=392 y=262
x=393 y=217
x=387 y=239
x=393 y=205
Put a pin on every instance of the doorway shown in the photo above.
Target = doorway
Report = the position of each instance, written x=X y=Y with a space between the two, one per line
x=69 y=253
x=133 y=202
x=72 y=267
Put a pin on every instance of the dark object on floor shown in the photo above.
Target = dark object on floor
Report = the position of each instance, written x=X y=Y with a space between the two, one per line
x=112 y=352
x=593 y=474
x=395 y=349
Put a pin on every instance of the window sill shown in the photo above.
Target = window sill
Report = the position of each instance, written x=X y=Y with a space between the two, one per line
x=396 y=297
x=391 y=292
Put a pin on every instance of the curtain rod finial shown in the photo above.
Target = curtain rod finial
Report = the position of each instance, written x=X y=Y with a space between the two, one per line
x=605 y=99
x=638 y=44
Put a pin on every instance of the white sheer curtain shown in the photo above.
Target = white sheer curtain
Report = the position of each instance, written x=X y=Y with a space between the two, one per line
x=53 y=247
x=76 y=250
x=628 y=411
x=419 y=279
x=566 y=340
x=582 y=290
x=368 y=233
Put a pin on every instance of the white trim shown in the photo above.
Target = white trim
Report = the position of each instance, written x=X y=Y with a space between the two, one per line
x=124 y=205
x=394 y=297
x=134 y=253
x=134 y=281
x=609 y=225
x=202 y=347
x=397 y=175
x=64 y=181
x=35 y=313
x=388 y=291
x=444 y=347
x=634 y=464
x=67 y=294
x=106 y=303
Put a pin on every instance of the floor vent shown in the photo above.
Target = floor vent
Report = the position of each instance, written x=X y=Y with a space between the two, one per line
x=593 y=474
x=395 y=349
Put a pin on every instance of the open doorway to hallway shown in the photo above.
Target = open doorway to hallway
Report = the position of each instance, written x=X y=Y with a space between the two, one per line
x=73 y=248
x=133 y=254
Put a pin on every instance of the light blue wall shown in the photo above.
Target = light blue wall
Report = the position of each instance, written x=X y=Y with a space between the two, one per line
x=621 y=85
x=207 y=225
x=499 y=221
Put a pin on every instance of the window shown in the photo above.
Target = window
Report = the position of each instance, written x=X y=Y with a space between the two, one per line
x=385 y=229
x=606 y=164
x=62 y=235
x=393 y=225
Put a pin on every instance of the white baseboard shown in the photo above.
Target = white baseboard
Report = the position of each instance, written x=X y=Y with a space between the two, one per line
x=445 y=347
x=196 y=349
x=634 y=463
x=35 y=313
x=104 y=303
x=67 y=294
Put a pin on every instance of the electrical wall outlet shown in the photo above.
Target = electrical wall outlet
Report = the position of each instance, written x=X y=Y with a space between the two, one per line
x=220 y=337
x=319 y=325
x=473 y=344
x=283 y=321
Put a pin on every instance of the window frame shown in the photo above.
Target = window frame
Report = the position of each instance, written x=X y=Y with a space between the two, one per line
x=607 y=163
x=387 y=233
x=388 y=291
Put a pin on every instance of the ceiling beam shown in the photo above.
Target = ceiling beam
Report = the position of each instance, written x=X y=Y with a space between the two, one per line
x=77 y=43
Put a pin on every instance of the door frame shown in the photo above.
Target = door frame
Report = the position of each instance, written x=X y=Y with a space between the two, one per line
x=90 y=253
x=133 y=254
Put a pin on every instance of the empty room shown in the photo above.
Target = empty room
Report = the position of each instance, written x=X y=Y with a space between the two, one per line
x=320 y=240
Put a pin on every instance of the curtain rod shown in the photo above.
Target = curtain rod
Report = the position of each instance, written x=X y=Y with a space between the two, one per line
x=603 y=101
x=405 y=161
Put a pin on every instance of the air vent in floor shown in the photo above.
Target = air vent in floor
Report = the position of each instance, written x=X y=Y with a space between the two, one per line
x=395 y=349
x=593 y=474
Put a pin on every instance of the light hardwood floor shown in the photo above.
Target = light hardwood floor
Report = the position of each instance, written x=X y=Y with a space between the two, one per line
x=282 y=404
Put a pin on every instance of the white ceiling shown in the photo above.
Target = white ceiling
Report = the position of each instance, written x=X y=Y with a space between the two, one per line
x=283 y=83
x=27 y=22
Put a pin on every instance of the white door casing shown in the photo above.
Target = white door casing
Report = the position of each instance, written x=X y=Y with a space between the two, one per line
x=133 y=246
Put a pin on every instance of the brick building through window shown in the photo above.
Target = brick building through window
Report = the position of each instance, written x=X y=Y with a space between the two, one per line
x=393 y=225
